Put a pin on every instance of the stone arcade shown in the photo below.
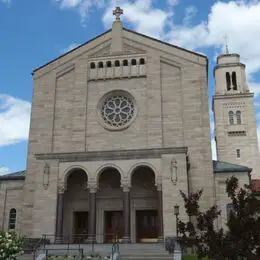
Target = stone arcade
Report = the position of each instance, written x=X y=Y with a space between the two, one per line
x=119 y=126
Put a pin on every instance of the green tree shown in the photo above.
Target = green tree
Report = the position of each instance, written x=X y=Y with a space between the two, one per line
x=242 y=238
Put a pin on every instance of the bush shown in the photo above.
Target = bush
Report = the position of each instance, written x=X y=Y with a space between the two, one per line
x=11 y=244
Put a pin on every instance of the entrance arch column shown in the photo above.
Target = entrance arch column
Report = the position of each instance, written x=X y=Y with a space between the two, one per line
x=160 y=212
x=92 y=187
x=59 y=214
x=126 y=208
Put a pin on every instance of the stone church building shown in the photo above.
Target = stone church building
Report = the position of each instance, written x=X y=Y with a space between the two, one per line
x=119 y=126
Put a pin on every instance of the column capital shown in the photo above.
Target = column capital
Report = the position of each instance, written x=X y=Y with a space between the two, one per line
x=158 y=186
x=92 y=187
x=126 y=187
x=61 y=189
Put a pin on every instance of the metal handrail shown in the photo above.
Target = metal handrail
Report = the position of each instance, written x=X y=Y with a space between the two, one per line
x=115 y=247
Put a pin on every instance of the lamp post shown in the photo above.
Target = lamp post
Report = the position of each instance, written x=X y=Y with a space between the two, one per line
x=176 y=213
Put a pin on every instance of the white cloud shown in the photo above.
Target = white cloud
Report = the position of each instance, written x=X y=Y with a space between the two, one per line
x=190 y=12
x=142 y=15
x=214 y=149
x=83 y=6
x=70 y=47
x=173 y=2
x=14 y=119
x=6 y=1
x=4 y=170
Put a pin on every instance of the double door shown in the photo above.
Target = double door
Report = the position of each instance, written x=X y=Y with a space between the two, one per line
x=146 y=226
x=114 y=226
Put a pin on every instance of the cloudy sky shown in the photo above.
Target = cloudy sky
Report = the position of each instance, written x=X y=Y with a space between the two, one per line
x=34 y=32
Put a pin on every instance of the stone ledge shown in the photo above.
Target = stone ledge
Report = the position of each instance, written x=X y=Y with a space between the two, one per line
x=112 y=155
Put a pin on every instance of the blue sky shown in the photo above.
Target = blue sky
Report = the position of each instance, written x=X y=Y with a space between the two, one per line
x=34 y=32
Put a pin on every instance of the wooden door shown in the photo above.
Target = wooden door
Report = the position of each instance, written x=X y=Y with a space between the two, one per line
x=146 y=226
x=114 y=225
x=80 y=226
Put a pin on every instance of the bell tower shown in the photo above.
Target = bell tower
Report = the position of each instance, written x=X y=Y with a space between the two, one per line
x=234 y=114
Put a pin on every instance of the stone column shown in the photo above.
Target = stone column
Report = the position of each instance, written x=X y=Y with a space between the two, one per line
x=59 y=215
x=160 y=213
x=126 y=208
x=92 y=212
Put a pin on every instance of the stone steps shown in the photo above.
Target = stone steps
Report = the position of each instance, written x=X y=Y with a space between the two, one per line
x=26 y=257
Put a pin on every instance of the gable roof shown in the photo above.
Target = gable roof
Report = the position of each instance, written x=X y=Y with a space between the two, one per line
x=13 y=176
x=166 y=43
x=128 y=30
x=219 y=167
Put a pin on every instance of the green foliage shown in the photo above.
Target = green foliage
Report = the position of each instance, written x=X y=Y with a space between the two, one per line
x=11 y=244
x=243 y=226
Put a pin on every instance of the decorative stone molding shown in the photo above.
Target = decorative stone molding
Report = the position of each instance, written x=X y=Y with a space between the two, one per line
x=117 y=67
x=112 y=155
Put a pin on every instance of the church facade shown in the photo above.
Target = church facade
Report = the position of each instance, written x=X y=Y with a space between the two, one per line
x=119 y=126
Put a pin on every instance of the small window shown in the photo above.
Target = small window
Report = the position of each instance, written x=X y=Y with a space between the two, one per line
x=125 y=62
x=92 y=65
x=230 y=210
x=231 y=117
x=228 y=81
x=238 y=153
x=109 y=64
x=100 y=65
x=12 y=219
x=142 y=61
x=117 y=63
x=234 y=80
x=238 y=115
x=133 y=62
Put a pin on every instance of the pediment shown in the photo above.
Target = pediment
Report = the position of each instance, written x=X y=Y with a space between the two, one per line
x=128 y=50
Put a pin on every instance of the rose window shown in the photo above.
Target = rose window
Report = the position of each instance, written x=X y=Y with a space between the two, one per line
x=117 y=111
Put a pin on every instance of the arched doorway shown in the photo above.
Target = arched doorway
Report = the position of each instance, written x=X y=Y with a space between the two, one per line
x=76 y=206
x=144 y=199
x=109 y=205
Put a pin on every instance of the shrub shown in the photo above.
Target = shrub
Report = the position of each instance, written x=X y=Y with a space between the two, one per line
x=11 y=244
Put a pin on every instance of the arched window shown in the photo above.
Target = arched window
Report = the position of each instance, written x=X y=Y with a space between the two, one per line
x=125 y=62
x=238 y=115
x=117 y=63
x=228 y=81
x=109 y=64
x=133 y=62
x=142 y=61
x=100 y=65
x=92 y=65
x=231 y=117
x=234 y=80
x=12 y=219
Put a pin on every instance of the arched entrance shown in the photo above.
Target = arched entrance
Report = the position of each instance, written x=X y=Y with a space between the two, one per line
x=76 y=206
x=144 y=199
x=109 y=204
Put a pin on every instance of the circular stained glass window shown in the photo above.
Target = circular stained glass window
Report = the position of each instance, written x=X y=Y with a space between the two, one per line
x=118 y=110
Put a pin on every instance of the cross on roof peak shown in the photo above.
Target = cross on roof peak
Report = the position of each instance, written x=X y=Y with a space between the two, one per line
x=226 y=43
x=118 y=12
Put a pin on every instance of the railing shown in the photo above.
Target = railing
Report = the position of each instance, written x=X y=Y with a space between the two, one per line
x=65 y=242
x=115 y=248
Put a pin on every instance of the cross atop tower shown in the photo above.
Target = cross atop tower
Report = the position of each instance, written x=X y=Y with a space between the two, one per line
x=226 y=43
x=117 y=13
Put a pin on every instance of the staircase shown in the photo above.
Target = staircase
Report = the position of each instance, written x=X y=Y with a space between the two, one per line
x=143 y=251
x=127 y=251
